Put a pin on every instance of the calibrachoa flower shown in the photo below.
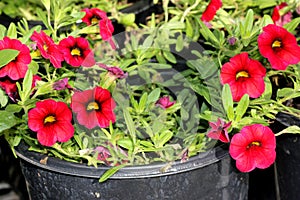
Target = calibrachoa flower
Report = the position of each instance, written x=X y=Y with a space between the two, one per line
x=61 y=84
x=52 y=122
x=106 y=31
x=93 y=15
x=279 y=46
x=94 y=107
x=244 y=76
x=164 y=102
x=10 y=88
x=254 y=147
x=77 y=52
x=48 y=48
x=211 y=10
x=17 y=68
x=219 y=130
x=281 y=20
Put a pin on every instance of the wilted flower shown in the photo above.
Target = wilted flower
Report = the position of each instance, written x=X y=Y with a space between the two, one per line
x=164 y=102
x=219 y=130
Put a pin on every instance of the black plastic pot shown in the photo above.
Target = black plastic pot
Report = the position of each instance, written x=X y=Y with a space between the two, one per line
x=209 y=175
x=288 y=159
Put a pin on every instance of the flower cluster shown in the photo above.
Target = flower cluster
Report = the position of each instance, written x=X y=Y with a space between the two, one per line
x=253 y=146
x=86 y=95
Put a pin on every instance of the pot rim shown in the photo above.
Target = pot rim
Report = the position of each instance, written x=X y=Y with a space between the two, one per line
x=138 y=171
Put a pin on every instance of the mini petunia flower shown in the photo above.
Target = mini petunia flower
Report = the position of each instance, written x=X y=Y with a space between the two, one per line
x=279 y=46
x=10 y=88
x=77 y=52
x=219 y=130
x=244 y=76
x=106 y=31
x=61 y=84
x=35 y=79
x=17 y=68
x=93 y=15
x=164 y=102
x=115 y=72
x=94 y=107
x=52 y=122
x=48 y=48
x=211 y=10
x=254 y=147
x=104 y=155
x=281 y=20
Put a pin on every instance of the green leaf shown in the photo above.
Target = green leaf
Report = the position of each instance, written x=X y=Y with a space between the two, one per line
x=179 y=43
x=153 y=96
x=12 y=31
x=130 y=124
x=142 y=103
x=34 y=67
x=3 y=98
x=291 y=129
x=169 y=56
x=292 y=25
x=2 y=31
x=242 y=107
x=248 y=22
x=227 y=101
x=7 y=55
x=110 y=172
x=285 y=92
x=13 y=108
x=208 y=35
x=7 y=120
x=189 y=28
x=165 y=137
x=127 y=19
x=125 y=143
x=27 y=83
x=46 y=3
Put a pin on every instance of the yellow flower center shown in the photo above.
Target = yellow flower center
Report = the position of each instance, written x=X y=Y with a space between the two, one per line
x=255 y=143
x=94 y=20
x=36 y=53
x=75 y=52
x=276 y=44
x=242 y=74
x=93 y=106
x=49 y=119
x=45 y=47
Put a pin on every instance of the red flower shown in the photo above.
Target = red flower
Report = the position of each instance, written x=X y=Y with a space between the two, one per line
x=17 y=68
x=10 y=88
x=93 y=15
x=94 y=107
x=48 y=48
x=278 y=46
x=52 y=122
x=244 y=76
x=281 y=20
x=219 y=130
x=106 y=31
x=253 y=147
x=164 y=102
x=211 y=10
x=77 y=52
